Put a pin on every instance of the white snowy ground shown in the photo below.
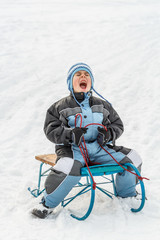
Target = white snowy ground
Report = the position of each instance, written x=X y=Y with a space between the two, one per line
x=39 y=41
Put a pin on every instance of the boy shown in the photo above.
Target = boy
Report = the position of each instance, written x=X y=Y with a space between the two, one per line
x=60 y=129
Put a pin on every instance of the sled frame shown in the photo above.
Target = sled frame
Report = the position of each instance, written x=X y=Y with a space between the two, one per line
x=105 y=171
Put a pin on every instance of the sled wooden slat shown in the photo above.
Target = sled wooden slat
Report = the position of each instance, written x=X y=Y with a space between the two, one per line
x=47 y=158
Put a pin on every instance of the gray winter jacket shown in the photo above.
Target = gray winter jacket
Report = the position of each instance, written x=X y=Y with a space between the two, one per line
x=58 y=130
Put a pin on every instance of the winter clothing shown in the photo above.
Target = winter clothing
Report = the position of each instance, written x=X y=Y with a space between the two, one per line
x=59 y=125
x=75 y=68
x=77 y=134
x=60 y=129
x=104 y=136
x=60 y=120
x=41 y=213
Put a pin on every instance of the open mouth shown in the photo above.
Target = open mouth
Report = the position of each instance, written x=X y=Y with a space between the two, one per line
x=83 y=85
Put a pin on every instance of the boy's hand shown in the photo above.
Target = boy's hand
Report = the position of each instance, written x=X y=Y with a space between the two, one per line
x=103 y=136
x=77 y=134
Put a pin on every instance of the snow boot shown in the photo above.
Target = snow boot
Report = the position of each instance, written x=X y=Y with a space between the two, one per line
x=41 y=213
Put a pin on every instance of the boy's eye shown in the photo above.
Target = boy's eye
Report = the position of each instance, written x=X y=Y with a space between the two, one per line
x=79 y=74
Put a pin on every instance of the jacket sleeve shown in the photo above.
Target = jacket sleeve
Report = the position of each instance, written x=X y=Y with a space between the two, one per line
x=113 y=122
x=54 y=129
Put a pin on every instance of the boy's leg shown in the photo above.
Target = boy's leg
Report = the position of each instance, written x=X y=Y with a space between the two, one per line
x=125 y=182
x=62 y=178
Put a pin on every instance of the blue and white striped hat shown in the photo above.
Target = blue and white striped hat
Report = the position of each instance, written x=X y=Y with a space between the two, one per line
x=75 y=68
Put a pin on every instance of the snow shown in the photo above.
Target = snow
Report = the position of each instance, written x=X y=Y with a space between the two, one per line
x=39 y=42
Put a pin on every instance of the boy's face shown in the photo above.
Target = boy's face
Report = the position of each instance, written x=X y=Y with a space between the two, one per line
x=81 y=81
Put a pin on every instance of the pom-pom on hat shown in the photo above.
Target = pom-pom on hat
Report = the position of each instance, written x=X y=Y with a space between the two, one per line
x=75 y=68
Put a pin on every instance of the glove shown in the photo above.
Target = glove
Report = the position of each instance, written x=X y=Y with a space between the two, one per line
x=104 y=136
x=77 y=134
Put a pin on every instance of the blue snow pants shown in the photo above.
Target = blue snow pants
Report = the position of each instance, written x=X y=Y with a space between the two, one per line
x=66 y=173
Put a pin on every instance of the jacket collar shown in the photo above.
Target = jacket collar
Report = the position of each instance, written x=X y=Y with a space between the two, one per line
x=80 y=96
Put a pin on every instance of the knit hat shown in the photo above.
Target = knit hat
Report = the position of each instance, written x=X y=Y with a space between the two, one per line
x=75 y=68
x=81 y=67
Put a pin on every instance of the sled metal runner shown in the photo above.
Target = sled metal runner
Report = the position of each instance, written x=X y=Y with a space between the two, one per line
x=97 y=171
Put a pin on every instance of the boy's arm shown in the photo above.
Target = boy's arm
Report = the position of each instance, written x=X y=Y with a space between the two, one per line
x=54 y=129
x=115 y=124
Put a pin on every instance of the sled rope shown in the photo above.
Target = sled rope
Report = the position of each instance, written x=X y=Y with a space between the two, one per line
x=85 y=154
